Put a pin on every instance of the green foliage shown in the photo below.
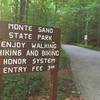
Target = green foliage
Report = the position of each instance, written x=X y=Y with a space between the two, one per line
x=89 y=47
x=65 y=87
x=22 y=86
x=75 y=18
x=64 y=60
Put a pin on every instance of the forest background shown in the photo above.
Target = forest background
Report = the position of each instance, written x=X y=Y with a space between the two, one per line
x=75 y=18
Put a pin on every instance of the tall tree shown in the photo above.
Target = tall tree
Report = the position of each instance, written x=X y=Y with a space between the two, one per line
x=22 y=10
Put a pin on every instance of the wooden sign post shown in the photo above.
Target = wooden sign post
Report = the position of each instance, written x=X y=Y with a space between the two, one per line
x=1 y=86
x=53 y=85
x=28 y=48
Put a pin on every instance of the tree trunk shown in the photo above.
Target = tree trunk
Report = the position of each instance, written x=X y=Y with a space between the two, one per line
x=27 y=7
x=16 y=11
x=22 y=10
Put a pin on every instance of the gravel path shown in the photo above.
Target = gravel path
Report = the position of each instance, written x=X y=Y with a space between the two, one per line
x=85 y=65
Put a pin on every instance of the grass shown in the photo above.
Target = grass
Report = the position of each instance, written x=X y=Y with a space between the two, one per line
x=64 y=60
x=89 y=47
x=66 y=82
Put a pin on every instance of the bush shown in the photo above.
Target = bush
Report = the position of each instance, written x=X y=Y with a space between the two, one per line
x=64 y=59
x=19 y=87
x=89 y=47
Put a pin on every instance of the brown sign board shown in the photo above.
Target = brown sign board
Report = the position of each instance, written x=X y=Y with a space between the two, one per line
x=28 y=48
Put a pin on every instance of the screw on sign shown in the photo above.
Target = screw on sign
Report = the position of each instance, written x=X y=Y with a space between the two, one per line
x=44 y=98
x=30 y=98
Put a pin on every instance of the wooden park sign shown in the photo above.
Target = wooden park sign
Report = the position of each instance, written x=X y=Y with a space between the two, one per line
x=26 y=48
